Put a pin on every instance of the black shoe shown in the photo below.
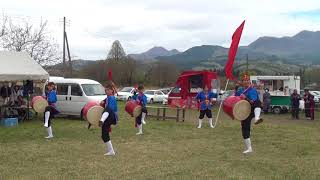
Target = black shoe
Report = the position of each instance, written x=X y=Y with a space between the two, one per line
x=259 y=121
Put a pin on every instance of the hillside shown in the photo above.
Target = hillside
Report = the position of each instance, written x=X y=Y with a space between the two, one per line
x=152 y=53
x=303 y=48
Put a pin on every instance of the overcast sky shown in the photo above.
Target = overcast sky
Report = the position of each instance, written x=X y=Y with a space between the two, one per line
x=180 y=24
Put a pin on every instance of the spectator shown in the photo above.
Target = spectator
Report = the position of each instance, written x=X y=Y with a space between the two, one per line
x=295 y=98
x=312 y=105
x=306 y=99
x=5 y=92
x=16 y=95
x=266 y=101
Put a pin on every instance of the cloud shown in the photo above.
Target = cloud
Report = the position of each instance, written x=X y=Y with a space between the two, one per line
x=180 y=24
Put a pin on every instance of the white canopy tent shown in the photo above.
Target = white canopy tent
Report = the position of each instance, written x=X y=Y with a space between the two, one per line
x=19 y=66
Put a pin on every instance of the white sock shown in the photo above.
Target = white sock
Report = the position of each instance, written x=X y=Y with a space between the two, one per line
x=143 y=116
x=200 y=123
x=247 y=143
x=257 y=112
x=46 y=118
x=50 y=135
x=104 y=116
x=109 y=147
x=140 y=129
x=210 y=122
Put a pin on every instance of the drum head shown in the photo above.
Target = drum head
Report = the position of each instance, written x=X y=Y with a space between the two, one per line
x=137 y=111
x=241 y=110
x=40 y=105
x=94 y=115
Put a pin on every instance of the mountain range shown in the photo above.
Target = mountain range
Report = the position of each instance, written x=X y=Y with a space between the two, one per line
x=284 y=54
x=302 y=48
x=154 y=52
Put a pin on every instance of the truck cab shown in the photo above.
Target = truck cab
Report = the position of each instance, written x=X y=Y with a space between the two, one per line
x=189 y=84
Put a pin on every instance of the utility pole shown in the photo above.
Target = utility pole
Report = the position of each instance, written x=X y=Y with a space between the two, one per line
x=64 y=47
x=67 y=72
x=70 y=63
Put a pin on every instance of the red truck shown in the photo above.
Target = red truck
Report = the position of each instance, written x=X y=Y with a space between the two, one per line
x=189 y=84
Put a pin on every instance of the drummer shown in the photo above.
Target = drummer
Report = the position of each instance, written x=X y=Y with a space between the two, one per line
x=142 y=101
x=205 y=98
x=251 y=95
x=238 y=90
x=110 y=100
x=51 y=109
x=108 y=118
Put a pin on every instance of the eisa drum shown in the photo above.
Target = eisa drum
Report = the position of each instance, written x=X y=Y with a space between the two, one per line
x=237 y=108
x=39 y=104
x=133 y=108
x=92 y=112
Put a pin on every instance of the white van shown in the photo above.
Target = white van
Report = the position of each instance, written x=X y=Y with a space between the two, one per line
x=73 y=94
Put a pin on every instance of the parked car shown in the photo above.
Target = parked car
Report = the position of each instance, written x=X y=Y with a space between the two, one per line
x=74 y=94
x=125 y=94
x=166 y=90
x=156 y=96
x=226 y=94
x=316 y=95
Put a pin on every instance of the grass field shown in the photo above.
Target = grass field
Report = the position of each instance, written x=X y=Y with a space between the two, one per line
x=283 y=149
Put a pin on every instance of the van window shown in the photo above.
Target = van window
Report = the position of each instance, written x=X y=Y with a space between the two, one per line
x=158 y=93
x=62 y=89
x=93 y=89
x=76 y=90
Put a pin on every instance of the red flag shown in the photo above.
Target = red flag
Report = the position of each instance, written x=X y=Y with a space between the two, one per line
x=233 y=51
x=110 y=74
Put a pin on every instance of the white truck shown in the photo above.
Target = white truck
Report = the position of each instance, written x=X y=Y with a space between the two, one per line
x=73 y=94
x=280 y=88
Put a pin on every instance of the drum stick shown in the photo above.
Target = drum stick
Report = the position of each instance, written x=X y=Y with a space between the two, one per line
x=217 y=118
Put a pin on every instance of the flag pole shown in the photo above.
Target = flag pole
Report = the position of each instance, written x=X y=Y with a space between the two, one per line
x=217 y=118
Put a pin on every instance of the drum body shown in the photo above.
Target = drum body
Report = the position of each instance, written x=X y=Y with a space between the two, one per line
x=39 y=104
x=236 y=107
x=92 y=112
x=133 y=108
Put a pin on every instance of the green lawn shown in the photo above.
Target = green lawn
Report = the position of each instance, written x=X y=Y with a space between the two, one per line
x=283 y=149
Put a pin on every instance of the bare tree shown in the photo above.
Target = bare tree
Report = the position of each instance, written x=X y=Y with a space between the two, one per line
x=33 y=40
x=3 y=23
x=162 y=73
x=116 y=52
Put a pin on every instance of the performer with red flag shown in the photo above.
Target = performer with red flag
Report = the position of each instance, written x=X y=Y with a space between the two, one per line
x=250 y=93
x=232 y=54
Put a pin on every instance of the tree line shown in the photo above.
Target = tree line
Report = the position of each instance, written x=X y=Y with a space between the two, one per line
x=128 y=72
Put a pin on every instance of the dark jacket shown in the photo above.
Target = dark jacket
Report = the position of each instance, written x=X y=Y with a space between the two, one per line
x=5 y=91
x=295 y=98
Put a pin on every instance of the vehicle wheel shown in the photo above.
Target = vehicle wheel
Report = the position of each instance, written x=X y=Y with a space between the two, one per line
x=151 y=101
x=276 y=110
